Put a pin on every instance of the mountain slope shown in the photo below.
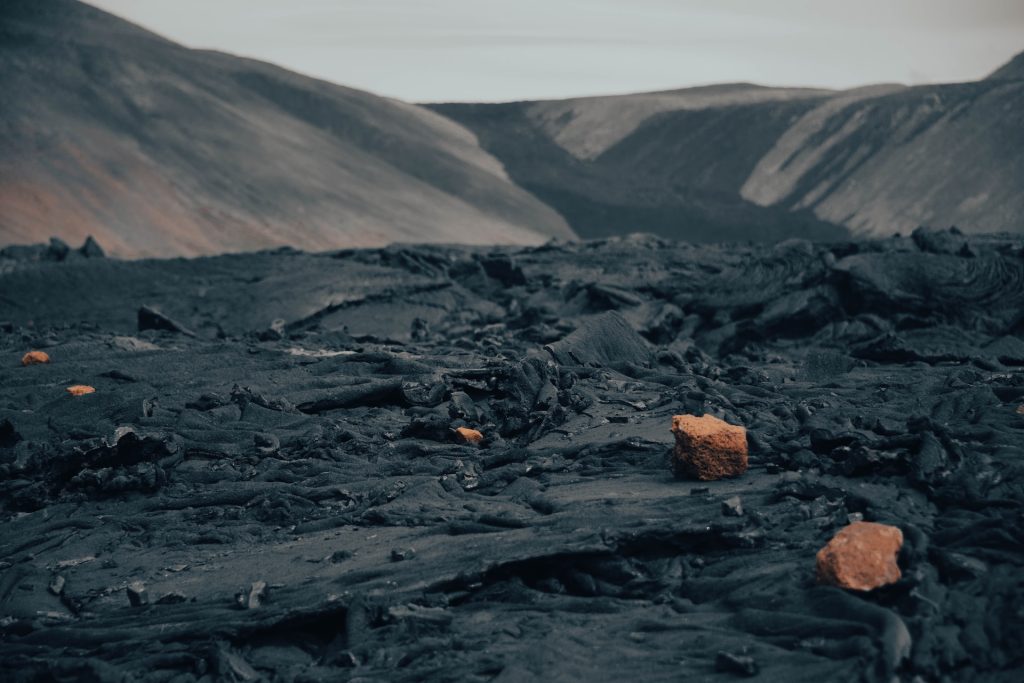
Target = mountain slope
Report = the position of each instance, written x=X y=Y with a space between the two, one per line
x=109 y=130
x=745 y=161
x=675 y=173
x=588 y=126
x=931 y=155
x=1012 y=70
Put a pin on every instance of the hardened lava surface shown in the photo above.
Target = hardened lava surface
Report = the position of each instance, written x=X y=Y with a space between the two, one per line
x=268 y=482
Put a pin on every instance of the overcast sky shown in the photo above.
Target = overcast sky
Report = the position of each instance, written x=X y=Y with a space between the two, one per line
x=487 y=50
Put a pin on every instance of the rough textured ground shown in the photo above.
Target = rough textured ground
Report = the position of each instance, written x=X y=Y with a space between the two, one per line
x=290 y=503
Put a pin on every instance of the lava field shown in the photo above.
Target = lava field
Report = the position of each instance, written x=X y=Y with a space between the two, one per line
x=269 y=481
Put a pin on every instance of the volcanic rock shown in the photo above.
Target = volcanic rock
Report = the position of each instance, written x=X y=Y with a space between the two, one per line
x=254 y=597
x=470 y=436
x=950 y=241
x=91 y=248
x=137 y=595
x=737 y=664
x=402 y=554
x=708 y=448
x=602 y=340
x=152 y=319
x=172 y=598
x=861 y=556
x=35 y=358
x=732 y=507
x=276 y=331
x=193 y=468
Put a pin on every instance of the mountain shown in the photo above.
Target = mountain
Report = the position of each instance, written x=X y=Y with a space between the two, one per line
x=745 y=161
x=157 y=150
x=1013 y=70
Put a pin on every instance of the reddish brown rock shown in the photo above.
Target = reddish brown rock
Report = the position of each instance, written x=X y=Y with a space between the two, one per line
x=861 y=557
x=35 y=358
x=470 y=436
x=80 y=389
x=708 y=448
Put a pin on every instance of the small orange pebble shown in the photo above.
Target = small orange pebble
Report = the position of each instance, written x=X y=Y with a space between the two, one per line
x=467 y=435
x=80 y=390
x=35 y=358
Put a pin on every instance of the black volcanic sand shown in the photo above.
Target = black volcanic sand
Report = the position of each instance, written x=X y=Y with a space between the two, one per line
x=287 y=502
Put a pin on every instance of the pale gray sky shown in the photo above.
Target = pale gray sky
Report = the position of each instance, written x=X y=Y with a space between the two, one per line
x=488 y=50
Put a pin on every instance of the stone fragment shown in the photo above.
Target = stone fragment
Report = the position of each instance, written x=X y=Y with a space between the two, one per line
x=150 y=318
x=91 y=248
x=276 y=331
x=339 y=556
x=935 y=241
x=420 y=330
x=80 y=389
x=470 y=436
x=8 y=434
x=958 y=566
x=402 y=554
x=732 y=507
x=861 y=556
x=137 y=596
x=35 y=358
x=58 y=249
x=708 y=448
x=602 y=340
x=254 y=597
x=737 y=664
x=233 y=667
x=266 y=443
x=57 y=584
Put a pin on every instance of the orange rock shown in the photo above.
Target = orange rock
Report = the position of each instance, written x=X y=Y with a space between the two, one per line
x=708 y=448
x=80 y=390
x=35 y=358
x=467 y=435
x=861 y=557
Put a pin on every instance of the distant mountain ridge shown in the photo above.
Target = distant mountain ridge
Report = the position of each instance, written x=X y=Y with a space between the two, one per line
x=157 y=150
x=1013 y=70
x=740 y=161
x=154 y=149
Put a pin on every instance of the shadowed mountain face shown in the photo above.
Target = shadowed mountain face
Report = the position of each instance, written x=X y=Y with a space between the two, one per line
x=743 y=161
x=1013 y=70
x=109 y=130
